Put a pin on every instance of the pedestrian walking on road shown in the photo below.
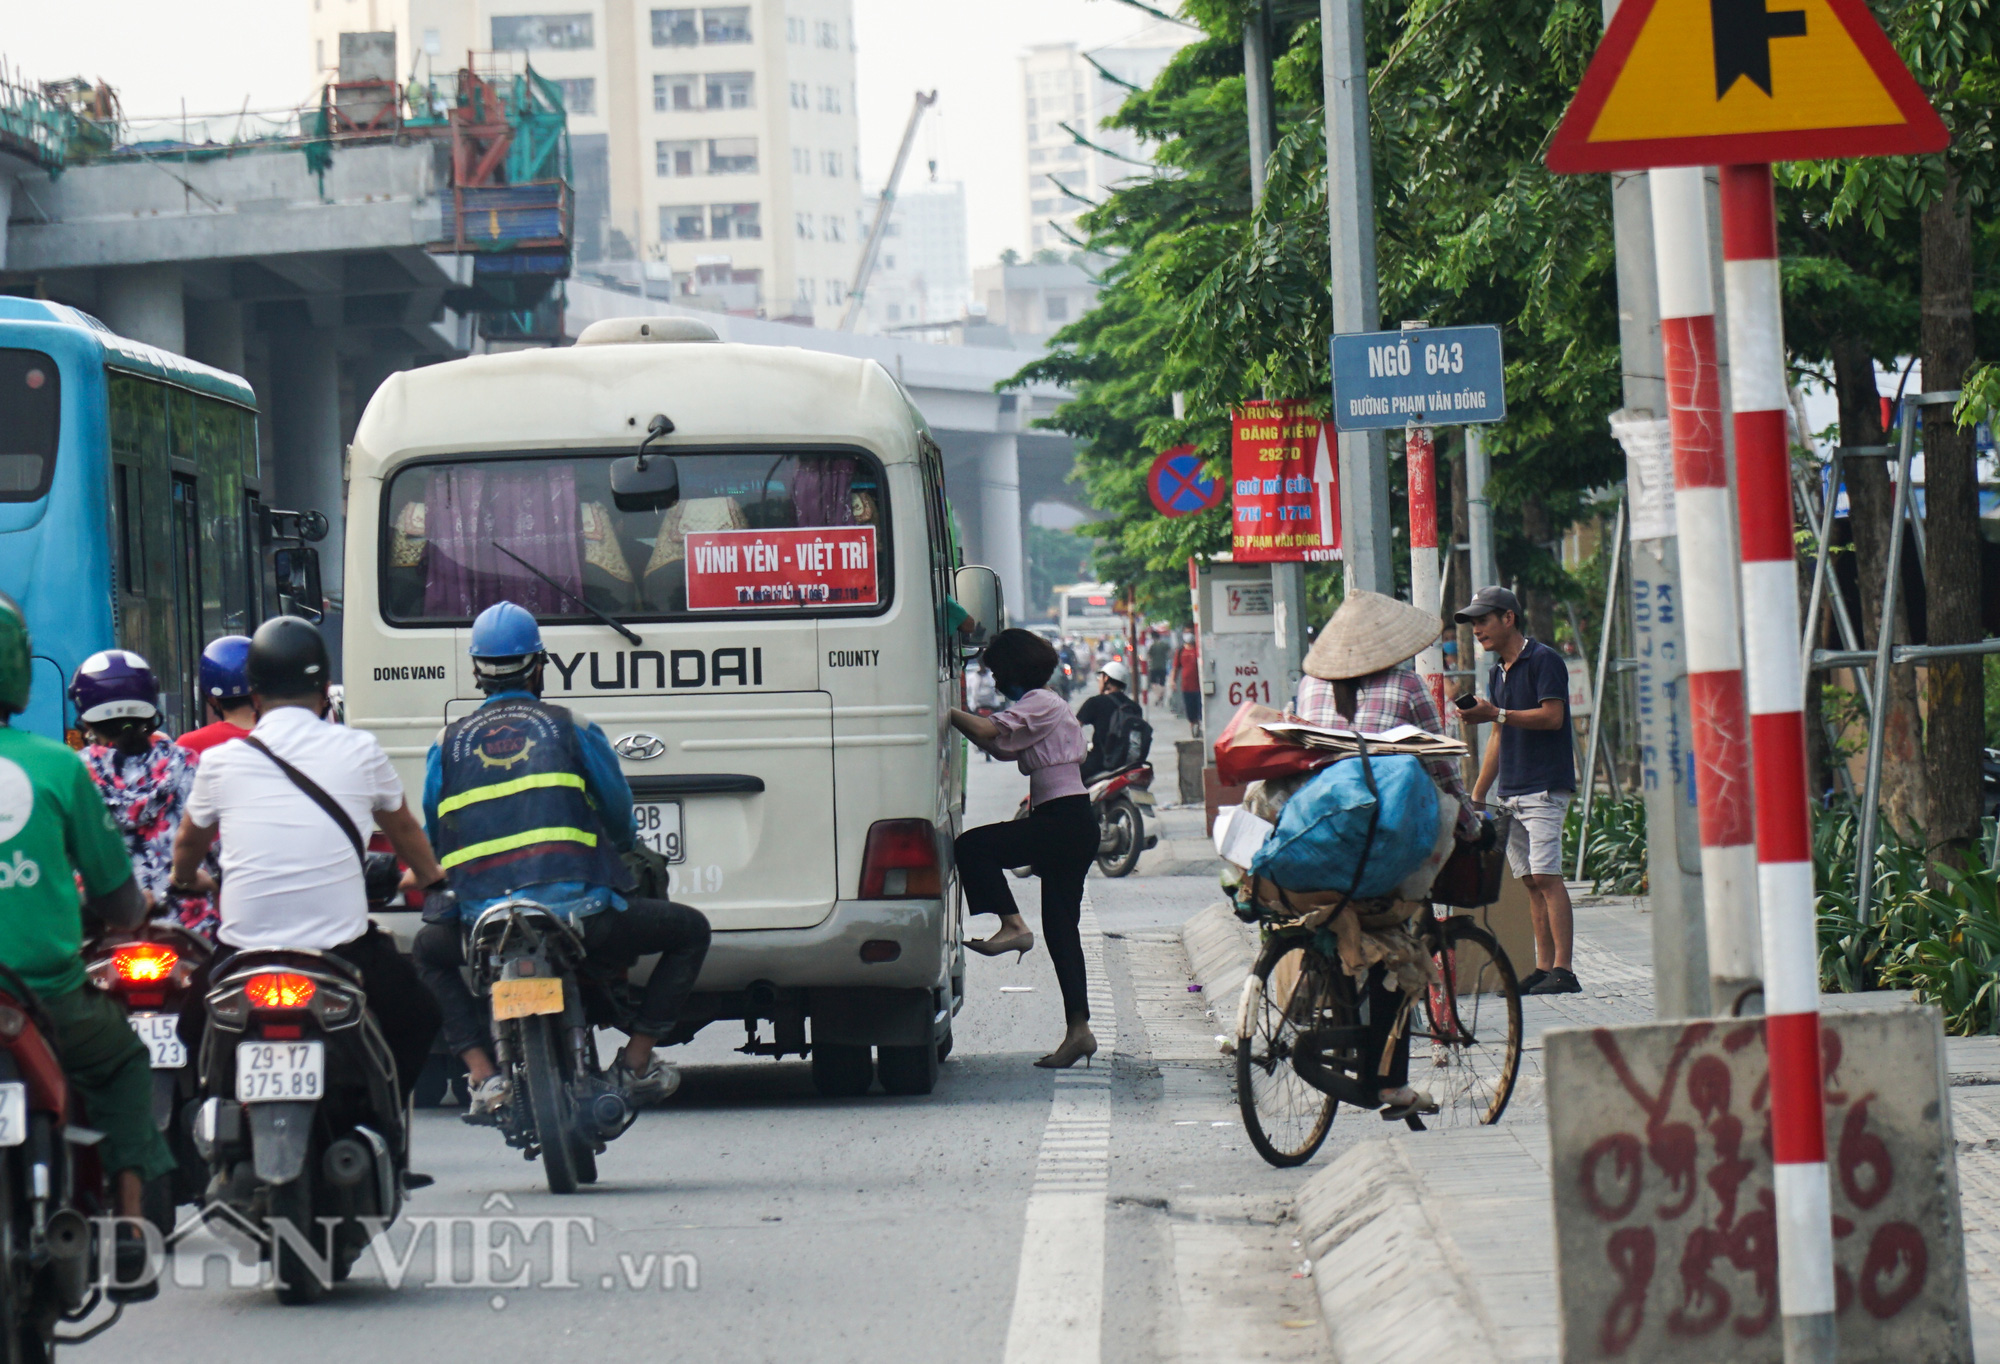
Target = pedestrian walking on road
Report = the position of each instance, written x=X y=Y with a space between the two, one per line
x=1058 y=838
x=1357 y=676
x=1527 y=696
x=1187 y=677
x=1159 y=657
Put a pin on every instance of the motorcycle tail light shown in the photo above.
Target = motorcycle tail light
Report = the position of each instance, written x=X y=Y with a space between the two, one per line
x=280 y=990
x=144 y=963
x=900 y=861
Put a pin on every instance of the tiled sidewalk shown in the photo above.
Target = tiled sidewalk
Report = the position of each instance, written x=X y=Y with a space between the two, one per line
x=1485 y=1191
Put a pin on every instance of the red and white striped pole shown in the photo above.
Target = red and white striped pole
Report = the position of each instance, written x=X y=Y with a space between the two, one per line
x=1708 y=581
x=1425 y=589
x=1784 y=833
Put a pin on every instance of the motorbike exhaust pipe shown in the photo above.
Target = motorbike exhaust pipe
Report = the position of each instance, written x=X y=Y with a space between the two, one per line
x=347 y=1163
x=610 y=1115
x=68 y=1236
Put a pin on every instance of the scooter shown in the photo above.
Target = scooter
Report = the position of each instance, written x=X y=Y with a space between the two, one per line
x=561 y=1108
x=151 y=970
x=52 y=1194
x=1120 y=800
x=300 y=1122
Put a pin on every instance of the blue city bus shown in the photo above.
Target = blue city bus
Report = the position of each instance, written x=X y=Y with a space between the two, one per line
x=131 y=510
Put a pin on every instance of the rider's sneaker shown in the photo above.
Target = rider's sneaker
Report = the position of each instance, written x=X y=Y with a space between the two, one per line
x=138 y=1277
x=656 y=1082
x=489 y=1096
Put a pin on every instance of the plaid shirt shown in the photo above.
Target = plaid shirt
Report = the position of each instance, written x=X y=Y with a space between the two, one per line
x=1394 y=696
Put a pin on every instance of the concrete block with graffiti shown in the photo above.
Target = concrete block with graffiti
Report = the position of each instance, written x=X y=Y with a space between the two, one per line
x=1660 y=1141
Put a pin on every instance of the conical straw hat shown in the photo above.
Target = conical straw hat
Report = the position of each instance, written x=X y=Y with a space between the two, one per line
x=1368 y=633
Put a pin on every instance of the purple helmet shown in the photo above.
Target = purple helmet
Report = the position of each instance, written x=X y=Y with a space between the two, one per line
x=115 y=685
x=225 y=669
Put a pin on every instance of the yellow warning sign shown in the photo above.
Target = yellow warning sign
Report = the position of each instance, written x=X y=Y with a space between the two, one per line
x=1713 y=82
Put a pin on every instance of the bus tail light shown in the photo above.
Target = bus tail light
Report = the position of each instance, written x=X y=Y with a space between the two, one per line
x=901 y=861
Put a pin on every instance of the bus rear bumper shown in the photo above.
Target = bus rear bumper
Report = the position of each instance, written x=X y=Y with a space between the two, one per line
x=829 y=954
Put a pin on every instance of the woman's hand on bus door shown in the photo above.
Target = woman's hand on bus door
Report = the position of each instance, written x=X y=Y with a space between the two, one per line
x=977 y=728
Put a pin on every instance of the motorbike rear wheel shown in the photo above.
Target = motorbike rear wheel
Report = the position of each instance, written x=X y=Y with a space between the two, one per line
x=549 y=1104
x=1125 y=829
x=299 y=1283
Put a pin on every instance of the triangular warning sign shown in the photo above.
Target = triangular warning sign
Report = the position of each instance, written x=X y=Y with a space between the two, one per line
x=1728 y=82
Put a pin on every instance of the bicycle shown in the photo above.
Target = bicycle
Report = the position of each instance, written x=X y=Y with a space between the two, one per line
x=1299 y=1036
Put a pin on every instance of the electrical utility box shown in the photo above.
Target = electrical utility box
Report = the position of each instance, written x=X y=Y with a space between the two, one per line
x=1240 y=657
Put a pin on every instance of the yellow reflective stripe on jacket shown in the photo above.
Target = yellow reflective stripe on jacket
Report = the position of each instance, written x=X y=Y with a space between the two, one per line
x=508 y=788
x=524 y=839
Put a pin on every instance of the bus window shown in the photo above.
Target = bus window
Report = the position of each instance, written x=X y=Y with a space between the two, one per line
x=454 y=530
x=177 y=673
x=30 y=422
x=131 y=547
x=223 y=608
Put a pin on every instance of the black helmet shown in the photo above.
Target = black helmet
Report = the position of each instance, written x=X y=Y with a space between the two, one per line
x=288 y=658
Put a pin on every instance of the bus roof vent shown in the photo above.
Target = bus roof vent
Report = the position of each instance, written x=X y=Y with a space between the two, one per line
x=639 y=331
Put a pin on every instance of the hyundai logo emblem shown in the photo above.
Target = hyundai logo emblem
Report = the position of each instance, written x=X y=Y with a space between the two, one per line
x=641 y=748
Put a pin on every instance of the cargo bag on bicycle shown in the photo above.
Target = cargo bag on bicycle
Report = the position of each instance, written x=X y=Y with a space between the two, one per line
x=1336 y=826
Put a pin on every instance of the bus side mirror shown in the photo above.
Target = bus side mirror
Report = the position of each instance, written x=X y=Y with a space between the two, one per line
x=297 y=573
x=977 y=588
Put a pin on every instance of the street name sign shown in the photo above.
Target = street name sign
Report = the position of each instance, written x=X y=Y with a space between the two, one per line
x=1423 y=376
x=1732 y=82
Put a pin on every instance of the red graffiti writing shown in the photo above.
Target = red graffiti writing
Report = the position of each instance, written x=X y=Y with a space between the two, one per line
x=1630 y=1251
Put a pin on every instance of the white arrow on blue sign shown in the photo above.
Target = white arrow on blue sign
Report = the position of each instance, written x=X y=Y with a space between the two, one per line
x=1428 y=376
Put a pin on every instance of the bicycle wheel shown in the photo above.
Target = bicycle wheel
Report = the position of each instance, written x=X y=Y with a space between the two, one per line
x=1471 y=1021
x=1285 y=1117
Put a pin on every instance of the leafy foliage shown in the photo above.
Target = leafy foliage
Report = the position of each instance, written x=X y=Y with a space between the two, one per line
x=1614 y=845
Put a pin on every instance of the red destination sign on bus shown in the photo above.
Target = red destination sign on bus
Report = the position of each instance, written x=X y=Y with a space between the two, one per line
x=728 y=570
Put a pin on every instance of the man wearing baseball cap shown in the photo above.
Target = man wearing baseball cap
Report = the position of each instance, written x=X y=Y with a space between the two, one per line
x=1527 y=696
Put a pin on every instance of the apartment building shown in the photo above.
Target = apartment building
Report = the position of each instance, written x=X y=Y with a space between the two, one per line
x=714 y=146
x=1068 y=96
x=921 y=274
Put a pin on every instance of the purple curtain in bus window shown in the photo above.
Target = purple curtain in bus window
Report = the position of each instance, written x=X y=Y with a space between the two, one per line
x=819 y=492
x=530 y=510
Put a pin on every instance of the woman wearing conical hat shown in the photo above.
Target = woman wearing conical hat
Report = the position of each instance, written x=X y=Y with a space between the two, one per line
x=1358 y=676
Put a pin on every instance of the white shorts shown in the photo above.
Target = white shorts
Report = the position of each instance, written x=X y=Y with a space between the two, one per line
x=1535 y=834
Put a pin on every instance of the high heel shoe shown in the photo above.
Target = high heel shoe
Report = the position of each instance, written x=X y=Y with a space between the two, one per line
x=1079 y=1042
x=1018 y=943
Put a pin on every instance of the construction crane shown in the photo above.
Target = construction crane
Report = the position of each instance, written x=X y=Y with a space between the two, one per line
x=883 y=207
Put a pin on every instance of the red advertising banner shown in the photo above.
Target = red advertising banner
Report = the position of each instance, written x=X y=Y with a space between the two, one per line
x=728 y=570
x=1286 y=477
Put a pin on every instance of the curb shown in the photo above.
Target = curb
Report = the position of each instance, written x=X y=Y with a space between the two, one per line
x=1381 y=1265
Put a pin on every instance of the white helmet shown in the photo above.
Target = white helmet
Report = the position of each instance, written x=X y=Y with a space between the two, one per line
x=1118 y=672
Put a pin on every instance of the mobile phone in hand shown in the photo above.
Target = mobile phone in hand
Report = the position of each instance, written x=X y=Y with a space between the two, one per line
x=1466 y=702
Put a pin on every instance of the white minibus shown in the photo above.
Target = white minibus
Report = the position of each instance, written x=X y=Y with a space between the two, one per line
x=761 y=629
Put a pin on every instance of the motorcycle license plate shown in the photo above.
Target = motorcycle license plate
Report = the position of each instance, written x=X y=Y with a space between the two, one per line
x=162 y=1036
x=659 y=827
x=522 y=998
x=13 y=1113
x=273 y=1072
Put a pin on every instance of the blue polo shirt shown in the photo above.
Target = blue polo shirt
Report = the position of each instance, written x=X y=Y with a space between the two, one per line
x=1533 y=760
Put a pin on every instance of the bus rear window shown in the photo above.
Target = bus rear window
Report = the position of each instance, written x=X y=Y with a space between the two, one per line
x=30 y=422
x=756 y=532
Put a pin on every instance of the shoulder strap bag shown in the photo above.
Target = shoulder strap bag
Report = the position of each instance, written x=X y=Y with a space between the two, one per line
x=318 y=796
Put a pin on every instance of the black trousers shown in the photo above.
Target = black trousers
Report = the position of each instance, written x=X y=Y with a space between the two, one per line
x=1058 y=839
x=612 y=939
x=402 y=1008
x=1383 y=1000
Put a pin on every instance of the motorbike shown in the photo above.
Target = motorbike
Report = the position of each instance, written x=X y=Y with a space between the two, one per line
x=528 y=963
x=300 y=1125
x=151 y=970
x=52 y=1192
x=1120 y=800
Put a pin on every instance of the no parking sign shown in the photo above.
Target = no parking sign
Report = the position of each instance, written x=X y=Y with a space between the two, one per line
x=1178 y=486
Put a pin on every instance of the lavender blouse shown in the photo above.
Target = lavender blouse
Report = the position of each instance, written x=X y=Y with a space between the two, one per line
x=1040 y=731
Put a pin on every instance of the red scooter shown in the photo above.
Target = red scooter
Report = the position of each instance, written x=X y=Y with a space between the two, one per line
x=1119 y=801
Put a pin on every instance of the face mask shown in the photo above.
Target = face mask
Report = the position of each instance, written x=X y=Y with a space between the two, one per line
x=1013 y=693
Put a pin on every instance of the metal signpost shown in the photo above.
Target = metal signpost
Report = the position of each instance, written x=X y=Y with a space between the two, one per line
x=1695 y=83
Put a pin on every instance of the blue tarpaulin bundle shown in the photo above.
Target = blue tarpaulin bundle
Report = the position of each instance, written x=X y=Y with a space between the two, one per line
x=1325 y=828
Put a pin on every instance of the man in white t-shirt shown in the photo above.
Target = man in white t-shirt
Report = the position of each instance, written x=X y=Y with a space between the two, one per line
x=291 y=876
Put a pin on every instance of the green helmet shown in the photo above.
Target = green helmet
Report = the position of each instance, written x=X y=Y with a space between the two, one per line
x=15 y=661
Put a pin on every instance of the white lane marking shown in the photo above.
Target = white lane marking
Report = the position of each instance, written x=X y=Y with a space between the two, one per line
x=1059 y=1291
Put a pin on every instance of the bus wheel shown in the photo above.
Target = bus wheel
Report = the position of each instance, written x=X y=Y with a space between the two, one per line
x=841 y=1071
x=908 y=1070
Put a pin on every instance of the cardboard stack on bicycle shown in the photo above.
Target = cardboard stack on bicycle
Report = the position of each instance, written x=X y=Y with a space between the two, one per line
x=1345 y=829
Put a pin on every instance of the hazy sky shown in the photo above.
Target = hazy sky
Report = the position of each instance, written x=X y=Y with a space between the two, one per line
x=215 y=53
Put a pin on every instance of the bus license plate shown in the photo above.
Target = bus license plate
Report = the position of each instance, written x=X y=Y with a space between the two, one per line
x=162 y=1036
x=13 y=1113
x=270 y=1072
x=659 y=824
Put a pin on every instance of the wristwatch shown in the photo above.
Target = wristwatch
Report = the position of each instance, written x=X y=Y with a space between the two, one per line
x=1501 y=718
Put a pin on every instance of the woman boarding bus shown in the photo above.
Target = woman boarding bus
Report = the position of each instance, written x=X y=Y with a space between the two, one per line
x=740 y=561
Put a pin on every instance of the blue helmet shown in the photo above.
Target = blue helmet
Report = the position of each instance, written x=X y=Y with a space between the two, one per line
x=506 y=646
x=225 y=669
x=115 y=685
